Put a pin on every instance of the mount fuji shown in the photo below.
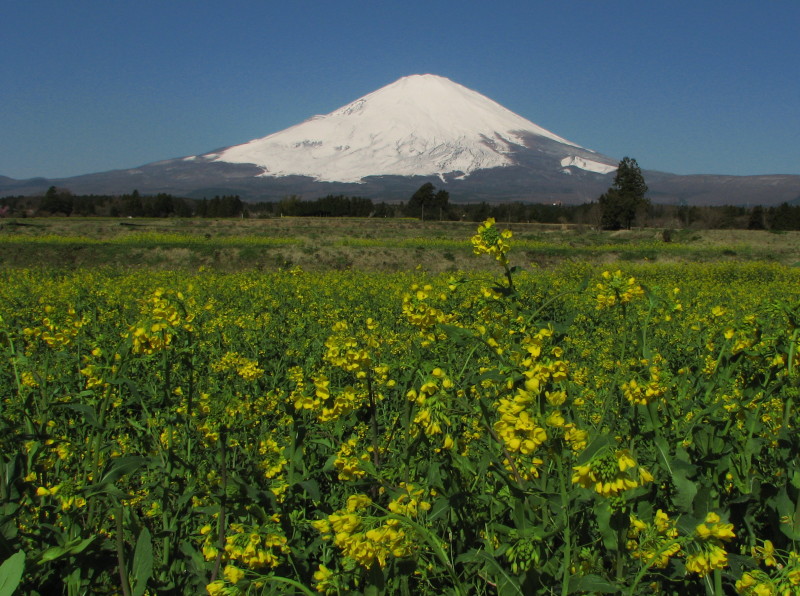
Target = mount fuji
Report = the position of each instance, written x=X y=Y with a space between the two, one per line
x=386 y=144
x=421 y=125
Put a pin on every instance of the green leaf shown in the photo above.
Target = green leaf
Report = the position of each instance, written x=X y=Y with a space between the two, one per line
x=786 y=509
x=324 y=441
x=685 y=489
x=81 y=546
x=195 y=560
x=459 y=335
x=603 y=512
x=507 y=584
x=464 y=465
x=440 y=508
x=120 y=466
x=312 y=488
x=106 y=489
x=142 y=562
x=52 y=553
x=593 y=584
x=598 y=444
x=73 y=547
x=85 y=410
x=11 y=573
x=679 y=468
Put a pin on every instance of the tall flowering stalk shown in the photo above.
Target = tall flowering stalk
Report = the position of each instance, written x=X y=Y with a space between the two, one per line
x=489 y=240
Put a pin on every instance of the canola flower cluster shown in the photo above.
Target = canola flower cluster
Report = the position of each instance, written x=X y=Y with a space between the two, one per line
x=350 y=460
x=710 y=537
x=489 y=240
x=160 y=320
x=615 y=289
x=249 y=547
x=419 y=310
x=640 y=392
x=244 y=367
x=432 y=401
x=611 y=473
x=656 y=543
x=784 y=579
x=53 y=334
x=368 y=539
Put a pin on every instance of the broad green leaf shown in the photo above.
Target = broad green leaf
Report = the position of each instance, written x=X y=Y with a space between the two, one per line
x=142 y=562
x=290 y=582
x=11 y=573
x=81 y=546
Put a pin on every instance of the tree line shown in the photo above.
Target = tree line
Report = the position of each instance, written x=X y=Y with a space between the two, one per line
x=626 y=203
x=328 y=206
x=615 y=209
x=61 y=202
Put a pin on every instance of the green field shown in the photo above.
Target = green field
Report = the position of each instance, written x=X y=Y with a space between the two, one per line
x=364 y=244
x=296 y=406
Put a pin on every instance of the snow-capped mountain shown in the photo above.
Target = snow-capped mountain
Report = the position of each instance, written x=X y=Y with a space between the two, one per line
x=385 y=145
x=420 y=125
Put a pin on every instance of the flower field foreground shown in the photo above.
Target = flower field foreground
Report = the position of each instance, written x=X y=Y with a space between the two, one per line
x=570 y=431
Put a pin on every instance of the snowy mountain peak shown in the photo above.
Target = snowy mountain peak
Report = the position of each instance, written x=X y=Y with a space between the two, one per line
x=420 y=125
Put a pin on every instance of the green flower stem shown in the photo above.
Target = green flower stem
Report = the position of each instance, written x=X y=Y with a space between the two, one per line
x=373 y=420
x=120 y=540
x=567 y=529
x=223 y=500
x=12 y=358
x=509 y=278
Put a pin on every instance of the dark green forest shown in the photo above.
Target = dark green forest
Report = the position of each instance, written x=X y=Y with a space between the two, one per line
x=426 y=203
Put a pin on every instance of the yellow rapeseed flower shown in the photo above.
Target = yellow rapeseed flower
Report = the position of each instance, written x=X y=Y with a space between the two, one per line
x=233 y=574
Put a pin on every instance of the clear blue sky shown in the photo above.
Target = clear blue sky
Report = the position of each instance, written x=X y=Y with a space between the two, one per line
x=682 y=86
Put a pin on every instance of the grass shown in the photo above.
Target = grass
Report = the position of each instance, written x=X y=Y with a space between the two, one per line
x=364 y=244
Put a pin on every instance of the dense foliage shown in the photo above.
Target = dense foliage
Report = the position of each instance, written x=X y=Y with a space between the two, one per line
x=545 y=432
x=625 y=200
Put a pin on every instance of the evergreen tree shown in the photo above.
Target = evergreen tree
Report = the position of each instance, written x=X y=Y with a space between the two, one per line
x=427 y=200
x=57 y=201
x=621 y=203
x=756 y=221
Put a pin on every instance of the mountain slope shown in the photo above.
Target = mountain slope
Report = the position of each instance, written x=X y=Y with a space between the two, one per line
x=420 y=125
